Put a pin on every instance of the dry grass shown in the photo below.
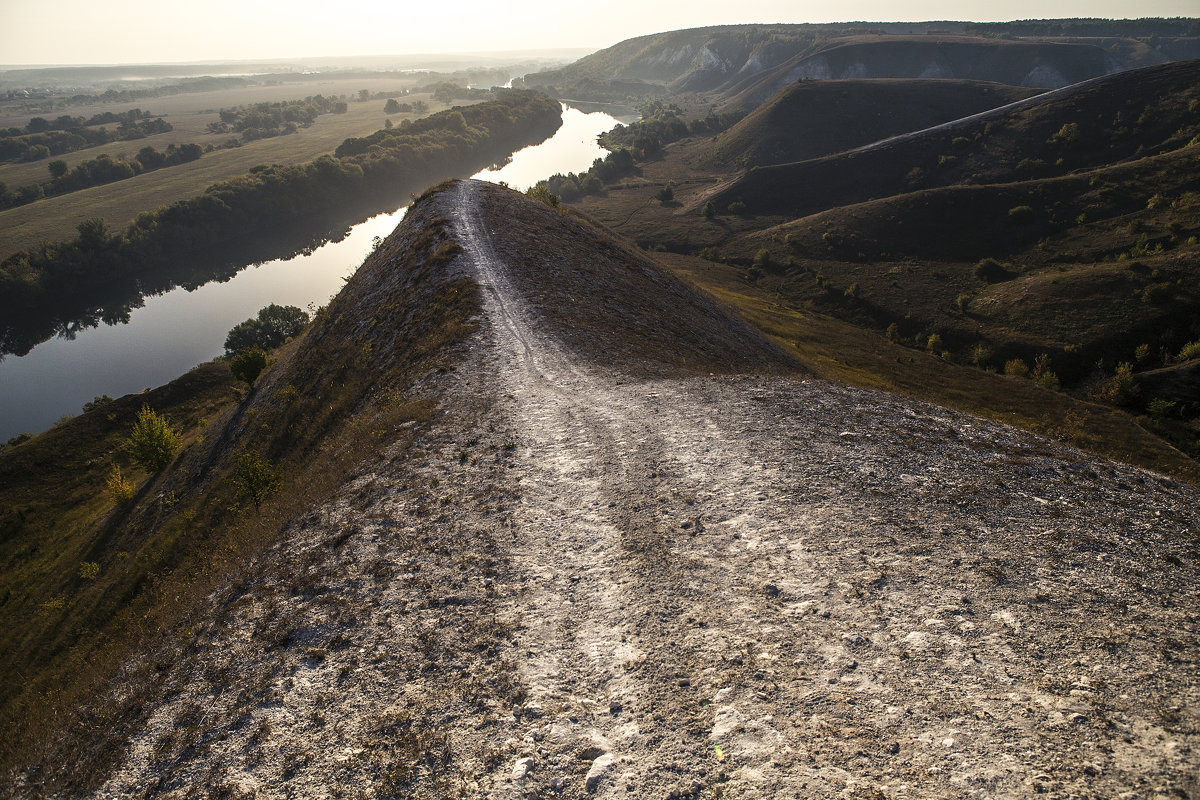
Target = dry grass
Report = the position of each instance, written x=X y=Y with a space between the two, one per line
x=842 y=352
x=55 y=218
x=336 y=397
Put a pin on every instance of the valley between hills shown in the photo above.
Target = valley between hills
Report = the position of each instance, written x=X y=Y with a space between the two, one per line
x=835 y=437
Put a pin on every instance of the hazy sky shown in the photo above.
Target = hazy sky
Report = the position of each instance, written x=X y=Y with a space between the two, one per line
x=138 y=31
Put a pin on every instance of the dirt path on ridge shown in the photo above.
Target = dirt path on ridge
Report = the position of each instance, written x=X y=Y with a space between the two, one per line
x=590 y=585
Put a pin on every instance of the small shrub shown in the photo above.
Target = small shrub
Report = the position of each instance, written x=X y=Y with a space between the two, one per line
x=543 y=195
x=153 y=442
x=1042 y=375
x=934 y=343
x=119 y=488
x=1157 y=294
x=1157 y=201
x=98 y=401
x=1160 y=409
x=1016 y=368
x=737 y=207
x=248 y=365
x=1189 y=351
x=19 y=439
x=255 y=477
x=709 y=211
x=1120 y=389
x=962 y=303
x=665 y=195
x=893 y=332
x=989 y=270
x=1068 y=134
x=981 y=355
x=762 y=259
x=852 y=291
x=1021 y=215
x=1142 y=354
x=89 y=570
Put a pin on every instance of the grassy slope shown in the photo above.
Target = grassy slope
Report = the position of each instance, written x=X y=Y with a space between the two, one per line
x=1130 y=114
x=55 y=218
x=850 y=348
x=815 y=118
x=341 y=393
x=845 y=353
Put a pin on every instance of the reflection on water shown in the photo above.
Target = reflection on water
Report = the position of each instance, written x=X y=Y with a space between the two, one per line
x=147 y=342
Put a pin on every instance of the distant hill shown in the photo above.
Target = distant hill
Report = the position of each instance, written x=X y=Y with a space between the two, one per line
x=752 y=62
x=1131 y=114
x=1088 y=201
x=811 y=118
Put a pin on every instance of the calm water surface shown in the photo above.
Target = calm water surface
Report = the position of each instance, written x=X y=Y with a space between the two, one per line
x=175 y=331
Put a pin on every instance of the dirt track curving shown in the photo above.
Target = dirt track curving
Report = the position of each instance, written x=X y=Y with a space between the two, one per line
x=587 y=583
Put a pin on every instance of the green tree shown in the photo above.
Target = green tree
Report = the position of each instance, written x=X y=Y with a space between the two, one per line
x=665 y=195
x=391 y=106
x=248 y=365
x=273 y=326
x=93 y=233
x=255 y=477
x=58 y=168
x=153 y=442
x=540 y=193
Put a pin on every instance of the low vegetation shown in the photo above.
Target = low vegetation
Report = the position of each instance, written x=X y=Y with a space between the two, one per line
x=99 y=556
x=226 y=223
x=42 y=138
x=1074 y=276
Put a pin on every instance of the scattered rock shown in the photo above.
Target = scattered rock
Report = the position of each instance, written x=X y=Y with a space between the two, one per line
x=596 y=773
x=522 y=768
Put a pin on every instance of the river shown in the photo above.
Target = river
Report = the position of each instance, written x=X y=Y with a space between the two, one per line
x=175 y=331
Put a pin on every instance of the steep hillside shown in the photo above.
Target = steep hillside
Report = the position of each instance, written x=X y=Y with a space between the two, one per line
x=1043 y=64
x=579 y=581
x=607 y=301
x=1053 y=240
x=350 y=388
x=811 y=118
x=1132 y=114
x=752 y=62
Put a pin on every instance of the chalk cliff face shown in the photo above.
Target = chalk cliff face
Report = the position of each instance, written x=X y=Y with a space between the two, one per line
x=764 y=58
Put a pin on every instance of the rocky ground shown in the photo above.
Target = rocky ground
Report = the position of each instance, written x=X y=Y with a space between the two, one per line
x=586 y=582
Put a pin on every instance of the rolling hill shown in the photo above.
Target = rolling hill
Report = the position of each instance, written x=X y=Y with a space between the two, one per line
x=745 y=64
x=813 y=118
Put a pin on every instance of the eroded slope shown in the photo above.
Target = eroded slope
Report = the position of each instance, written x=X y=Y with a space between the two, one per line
x=582 y=582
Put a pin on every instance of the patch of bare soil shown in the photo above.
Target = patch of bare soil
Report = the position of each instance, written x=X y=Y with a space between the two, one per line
x=588 y=583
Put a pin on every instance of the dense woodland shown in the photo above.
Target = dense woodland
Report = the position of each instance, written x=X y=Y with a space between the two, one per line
x=101 y=274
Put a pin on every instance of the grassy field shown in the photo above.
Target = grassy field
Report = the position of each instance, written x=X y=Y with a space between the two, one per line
x=55 y=218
